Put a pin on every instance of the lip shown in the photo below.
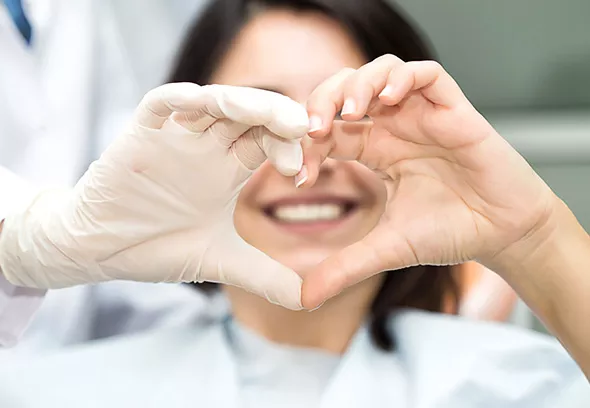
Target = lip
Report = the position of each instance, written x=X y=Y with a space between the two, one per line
x=315 y=227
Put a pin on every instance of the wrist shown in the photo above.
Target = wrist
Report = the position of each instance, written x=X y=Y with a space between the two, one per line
x=549 y=267
x=27 y=252
x=551 y=273
x=557 y=241
x=560 y=243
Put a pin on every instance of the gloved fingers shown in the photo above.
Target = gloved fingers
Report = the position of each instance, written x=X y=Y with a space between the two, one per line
x=195 y=121
x=256 y=144
x=230 y=260
x=259 y=143
x=253 y=145
x=225 y=130
x=200 y=106
x=285 y=155
x=281 y=115
x=274 y=119
x=159 y=103
x=284 y=117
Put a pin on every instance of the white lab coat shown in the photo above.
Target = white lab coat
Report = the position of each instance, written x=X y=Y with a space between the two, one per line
x=441 y=362
x=64 y=98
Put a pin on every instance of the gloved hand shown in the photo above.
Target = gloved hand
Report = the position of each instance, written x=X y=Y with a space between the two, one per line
x=457 y=191
x=158 y=205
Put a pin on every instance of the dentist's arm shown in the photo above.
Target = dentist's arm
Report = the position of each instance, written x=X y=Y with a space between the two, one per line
x=158 y=205
x=17 y=304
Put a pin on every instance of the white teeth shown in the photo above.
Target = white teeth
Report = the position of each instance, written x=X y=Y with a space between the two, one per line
x=309 y=212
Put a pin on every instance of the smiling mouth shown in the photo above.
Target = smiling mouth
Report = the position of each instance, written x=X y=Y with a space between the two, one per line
x=310 y=213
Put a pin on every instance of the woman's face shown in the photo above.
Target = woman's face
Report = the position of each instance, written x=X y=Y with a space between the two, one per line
x=292 y=53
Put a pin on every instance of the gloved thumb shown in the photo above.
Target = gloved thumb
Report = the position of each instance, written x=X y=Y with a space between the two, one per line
x=278 y=138
x=259 y=143
x=231 y=260
x=254 y=123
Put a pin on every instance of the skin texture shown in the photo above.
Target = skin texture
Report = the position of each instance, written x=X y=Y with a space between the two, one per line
x=318 y=48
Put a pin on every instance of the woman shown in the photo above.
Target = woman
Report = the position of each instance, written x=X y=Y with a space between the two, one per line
x=117 y=308
x=299 y=229
x=291 y=52
x=354 y=38
x=357 y=349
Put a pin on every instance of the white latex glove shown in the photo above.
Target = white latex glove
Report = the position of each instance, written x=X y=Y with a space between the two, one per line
x=158 y=205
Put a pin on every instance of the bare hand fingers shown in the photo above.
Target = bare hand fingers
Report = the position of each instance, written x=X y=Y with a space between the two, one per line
x=323 y=104
x=361 y=88
x=387 y=78
x=429 y=77
x=346 y=141
x=349 y=91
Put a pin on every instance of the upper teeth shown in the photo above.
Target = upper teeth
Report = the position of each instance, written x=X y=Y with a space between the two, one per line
x=309 y=212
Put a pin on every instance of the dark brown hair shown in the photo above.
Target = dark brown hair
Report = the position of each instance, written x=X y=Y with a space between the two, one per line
x=378 y=29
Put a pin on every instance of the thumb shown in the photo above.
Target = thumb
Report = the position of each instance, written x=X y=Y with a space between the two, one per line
x=277 y=138
x=379 y=251
x=230 y=260
x=259 y=143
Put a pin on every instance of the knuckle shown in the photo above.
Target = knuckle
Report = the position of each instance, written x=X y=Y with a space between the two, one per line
x=215 y=90
x=210 y=87
x=330 y=89
x=360 y=84
x=388 y=58
x=341 y=78
x=316 y=94
x=346 y=71
x=152 y=95
x=322 y=96
x=335 y=93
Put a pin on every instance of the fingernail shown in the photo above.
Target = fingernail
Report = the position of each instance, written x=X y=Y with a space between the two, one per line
x=301 y=177
x=315 y=124
x=349 y=107
x=387 y=91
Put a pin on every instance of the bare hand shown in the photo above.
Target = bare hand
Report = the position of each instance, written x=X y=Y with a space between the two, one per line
x=457 y=191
